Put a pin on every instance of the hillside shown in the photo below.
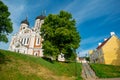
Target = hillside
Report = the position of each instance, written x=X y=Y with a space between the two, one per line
x=16 y=66
x=106 y=71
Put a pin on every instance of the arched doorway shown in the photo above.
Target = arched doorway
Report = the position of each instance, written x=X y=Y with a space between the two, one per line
x=35 y=53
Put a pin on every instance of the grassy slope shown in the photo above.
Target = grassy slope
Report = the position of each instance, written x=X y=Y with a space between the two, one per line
x=16 y=66
x=106 y=71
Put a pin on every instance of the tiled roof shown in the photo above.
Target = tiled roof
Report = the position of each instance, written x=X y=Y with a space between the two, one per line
x=103 y=43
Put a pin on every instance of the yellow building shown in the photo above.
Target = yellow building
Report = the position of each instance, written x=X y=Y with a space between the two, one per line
x=108 y=52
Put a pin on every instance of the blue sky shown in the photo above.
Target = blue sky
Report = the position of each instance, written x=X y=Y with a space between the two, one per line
x=95 y=19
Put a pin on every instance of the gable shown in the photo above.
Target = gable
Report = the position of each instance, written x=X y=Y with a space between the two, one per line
x=103 y=43
x=113 y=40
x=113 y=43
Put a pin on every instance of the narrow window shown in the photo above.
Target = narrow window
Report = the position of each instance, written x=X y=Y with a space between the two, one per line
x=38 y=41
x=24 y=40
x=27 y=40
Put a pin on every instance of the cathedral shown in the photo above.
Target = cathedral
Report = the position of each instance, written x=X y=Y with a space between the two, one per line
x=28 y=40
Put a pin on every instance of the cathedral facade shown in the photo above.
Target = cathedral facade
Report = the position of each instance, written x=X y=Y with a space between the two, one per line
x=28 y=40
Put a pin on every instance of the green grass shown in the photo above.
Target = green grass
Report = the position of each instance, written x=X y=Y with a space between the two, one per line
x=16 y=66
x=106 y=71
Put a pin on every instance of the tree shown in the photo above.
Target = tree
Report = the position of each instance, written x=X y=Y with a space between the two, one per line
x=60 y=35
x=5 y=22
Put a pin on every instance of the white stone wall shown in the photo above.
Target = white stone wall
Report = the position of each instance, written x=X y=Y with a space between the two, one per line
x=23 y=26
x=32 y=41
x=30 y=51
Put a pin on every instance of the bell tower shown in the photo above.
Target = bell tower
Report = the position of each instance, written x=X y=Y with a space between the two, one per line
x=39 y=21
x=24 y=24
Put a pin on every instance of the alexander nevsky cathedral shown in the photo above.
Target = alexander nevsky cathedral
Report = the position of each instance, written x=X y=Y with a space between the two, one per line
x=28 y=40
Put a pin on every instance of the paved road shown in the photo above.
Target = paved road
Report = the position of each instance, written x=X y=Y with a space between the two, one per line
x=89 y=74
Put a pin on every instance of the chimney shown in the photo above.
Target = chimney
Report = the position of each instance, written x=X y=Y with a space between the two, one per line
x=105 y=39
x=99 y=44
x=112 y=33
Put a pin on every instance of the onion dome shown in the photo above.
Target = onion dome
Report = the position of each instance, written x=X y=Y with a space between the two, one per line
x=25 y=21
x=41 y=17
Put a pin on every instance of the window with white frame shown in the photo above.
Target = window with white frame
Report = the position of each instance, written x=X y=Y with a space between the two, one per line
x=27 y=40
x=21 y=40
x=37 y=41
x=24 y=40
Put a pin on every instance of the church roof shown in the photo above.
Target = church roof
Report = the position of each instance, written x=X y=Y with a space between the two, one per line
x=41 y=17
x=25 y=21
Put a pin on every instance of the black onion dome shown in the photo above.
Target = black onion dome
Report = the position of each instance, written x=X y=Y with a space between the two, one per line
x=41 y=17
x=25 y=21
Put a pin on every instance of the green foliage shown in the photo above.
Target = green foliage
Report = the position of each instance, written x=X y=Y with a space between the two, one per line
x=87 y=58
x=5 y=22
x=18 y=66
x=106 y=71
x=60 y=35
x=52 y=50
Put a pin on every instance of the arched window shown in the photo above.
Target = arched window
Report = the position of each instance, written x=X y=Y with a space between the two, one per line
x=21 y=40
x=23 y=27
x=37 y=41
x=35 y=53
x=27 y=40
x=24 y=40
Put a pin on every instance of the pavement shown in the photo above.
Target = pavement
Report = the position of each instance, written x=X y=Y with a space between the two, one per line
x=89 y=74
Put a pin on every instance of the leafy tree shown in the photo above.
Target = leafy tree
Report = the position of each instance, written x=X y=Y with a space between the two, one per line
x=87 y=58
x=5 y=22
x=60 y=35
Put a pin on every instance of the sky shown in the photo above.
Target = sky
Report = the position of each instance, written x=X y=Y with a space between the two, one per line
x=95 y=19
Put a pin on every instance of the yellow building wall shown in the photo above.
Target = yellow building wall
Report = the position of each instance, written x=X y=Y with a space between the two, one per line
x=90 y=52
x=111 y=51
